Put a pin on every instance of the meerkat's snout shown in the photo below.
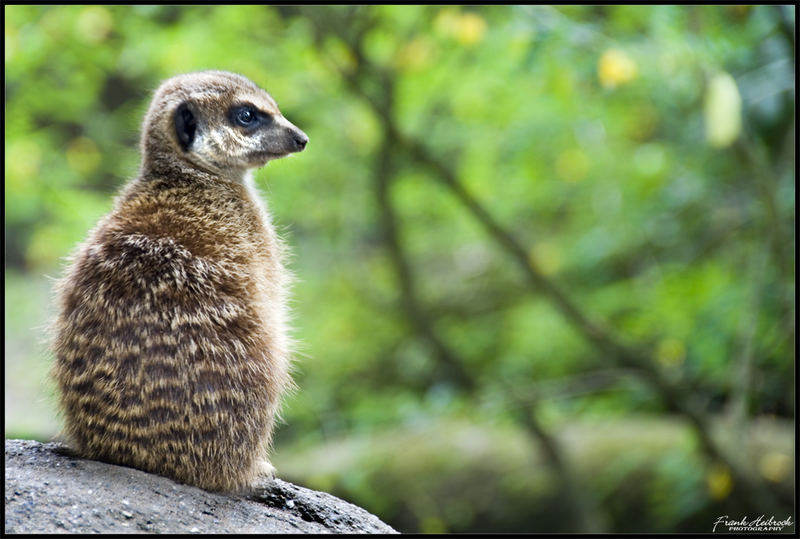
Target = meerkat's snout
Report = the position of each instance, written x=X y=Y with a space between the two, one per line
x=291 y=137
x=299 y=138
x=280 y=138
x=277 y=137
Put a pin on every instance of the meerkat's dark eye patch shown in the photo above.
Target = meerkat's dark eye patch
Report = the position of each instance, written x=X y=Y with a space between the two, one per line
x=248 y=116
x=185 y=126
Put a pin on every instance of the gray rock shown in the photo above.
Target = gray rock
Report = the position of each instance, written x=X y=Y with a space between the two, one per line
x=50 y=491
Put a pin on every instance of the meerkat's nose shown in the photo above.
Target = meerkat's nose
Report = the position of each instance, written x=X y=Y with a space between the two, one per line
x=300 y=140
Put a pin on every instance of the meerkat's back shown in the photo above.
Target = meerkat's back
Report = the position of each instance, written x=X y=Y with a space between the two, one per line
x=171 y=344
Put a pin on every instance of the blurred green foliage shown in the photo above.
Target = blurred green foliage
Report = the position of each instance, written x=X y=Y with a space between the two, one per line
x=643 y=155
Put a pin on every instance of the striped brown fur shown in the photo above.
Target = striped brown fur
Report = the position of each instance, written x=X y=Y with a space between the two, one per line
x=171 y=345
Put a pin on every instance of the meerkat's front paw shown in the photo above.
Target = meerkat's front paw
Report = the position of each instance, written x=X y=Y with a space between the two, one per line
x=265 y=470
x=261 y=478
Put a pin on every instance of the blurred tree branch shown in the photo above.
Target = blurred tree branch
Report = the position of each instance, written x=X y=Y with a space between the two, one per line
x=418 y=316
x=742 y=372
x=573 y=496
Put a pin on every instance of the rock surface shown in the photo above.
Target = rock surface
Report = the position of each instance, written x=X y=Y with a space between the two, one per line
x=49 y=491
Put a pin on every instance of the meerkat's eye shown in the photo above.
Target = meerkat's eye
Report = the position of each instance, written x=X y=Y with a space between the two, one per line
x=245 y=116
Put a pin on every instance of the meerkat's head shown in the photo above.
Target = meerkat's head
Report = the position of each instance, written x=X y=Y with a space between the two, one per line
x=217 y=122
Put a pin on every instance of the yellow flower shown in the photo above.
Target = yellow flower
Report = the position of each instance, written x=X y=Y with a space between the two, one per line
x=719 y=482
x=466 y=28
x=471 y=29
x=615 y=68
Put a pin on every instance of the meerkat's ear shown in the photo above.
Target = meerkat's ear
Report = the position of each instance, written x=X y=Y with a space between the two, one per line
x=185 y=125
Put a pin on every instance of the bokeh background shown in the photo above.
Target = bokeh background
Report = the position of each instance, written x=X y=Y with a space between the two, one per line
x=545 y=255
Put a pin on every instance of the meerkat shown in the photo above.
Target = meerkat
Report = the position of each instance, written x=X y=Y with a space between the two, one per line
x=171 y=344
